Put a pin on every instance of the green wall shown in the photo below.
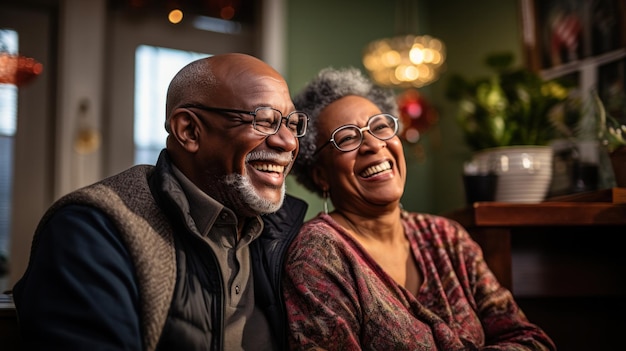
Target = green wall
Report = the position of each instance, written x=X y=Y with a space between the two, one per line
x=333 y=33
x=471 y=30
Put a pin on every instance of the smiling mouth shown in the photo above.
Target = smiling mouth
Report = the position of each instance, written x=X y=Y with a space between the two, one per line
x=270 y=168
x=373 y=170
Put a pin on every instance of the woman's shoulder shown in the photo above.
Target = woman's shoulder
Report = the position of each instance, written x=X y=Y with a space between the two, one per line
x=320 y=234
x=320 y=226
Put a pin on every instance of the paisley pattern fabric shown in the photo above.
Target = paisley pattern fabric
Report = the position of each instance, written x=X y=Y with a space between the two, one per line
x=339 y=298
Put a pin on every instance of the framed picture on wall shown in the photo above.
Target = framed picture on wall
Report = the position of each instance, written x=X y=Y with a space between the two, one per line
x=584 y=42
x=566 y=32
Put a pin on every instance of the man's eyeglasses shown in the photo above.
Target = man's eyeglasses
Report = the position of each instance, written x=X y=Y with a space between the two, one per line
x=266 y=120
x=350 y=137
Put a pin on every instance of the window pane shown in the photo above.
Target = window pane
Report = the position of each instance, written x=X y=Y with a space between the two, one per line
x=8 y=92
x=8 y=125
x=8 y=109
x=154 y=69
x=6 y=177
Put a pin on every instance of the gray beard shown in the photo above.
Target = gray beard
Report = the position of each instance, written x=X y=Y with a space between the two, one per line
x=245 y=199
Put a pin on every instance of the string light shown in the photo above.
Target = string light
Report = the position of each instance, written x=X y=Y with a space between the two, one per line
x=175 y=16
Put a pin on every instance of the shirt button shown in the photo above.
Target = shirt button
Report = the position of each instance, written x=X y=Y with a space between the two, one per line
x=237 y=289
x=224 y=215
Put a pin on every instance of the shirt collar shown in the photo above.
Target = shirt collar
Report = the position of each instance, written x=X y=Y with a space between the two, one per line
x=206 y=211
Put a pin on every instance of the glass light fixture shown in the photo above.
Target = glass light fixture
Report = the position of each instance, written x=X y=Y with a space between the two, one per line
x=405 y=61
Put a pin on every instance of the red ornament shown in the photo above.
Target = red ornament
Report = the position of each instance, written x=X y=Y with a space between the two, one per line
x=416 y=115
x=18 y=70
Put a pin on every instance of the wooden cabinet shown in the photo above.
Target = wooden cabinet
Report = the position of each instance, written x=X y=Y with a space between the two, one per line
x=563 y=260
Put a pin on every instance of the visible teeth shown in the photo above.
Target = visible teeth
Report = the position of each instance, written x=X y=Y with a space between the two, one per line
x=269 y=168
x=385 y=166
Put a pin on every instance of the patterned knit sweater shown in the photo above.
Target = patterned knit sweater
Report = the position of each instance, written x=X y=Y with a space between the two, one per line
x=339 y=298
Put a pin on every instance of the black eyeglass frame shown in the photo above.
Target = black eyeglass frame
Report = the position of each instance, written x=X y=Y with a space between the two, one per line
x=361 y=130
x=253 y=114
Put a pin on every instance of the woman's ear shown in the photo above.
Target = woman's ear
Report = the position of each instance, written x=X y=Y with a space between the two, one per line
x=185 y=129
x=319 y=177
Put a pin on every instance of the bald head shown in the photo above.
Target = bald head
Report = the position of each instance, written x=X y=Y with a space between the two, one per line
x=214 y=79
x=248 y=175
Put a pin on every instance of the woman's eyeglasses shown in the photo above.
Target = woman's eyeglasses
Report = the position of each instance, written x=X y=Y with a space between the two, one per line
x=350 y=137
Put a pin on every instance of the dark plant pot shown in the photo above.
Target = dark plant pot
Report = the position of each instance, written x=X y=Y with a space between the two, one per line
x=480 y=187
x=618 y=161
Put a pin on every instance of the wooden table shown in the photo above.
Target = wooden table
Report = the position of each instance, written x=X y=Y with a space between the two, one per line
x=492 y=224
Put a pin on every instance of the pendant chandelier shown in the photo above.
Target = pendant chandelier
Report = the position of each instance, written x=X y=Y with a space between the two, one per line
x=407 y=60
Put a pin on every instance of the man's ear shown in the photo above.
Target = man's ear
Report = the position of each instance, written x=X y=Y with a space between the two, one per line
x=184 y=125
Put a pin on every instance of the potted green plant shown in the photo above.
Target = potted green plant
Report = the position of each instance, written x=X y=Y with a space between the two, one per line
x=508 y=120
x=514 y=106
x=613 y=137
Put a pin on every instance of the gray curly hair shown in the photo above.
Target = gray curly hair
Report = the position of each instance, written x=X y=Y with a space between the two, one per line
x=330 y=85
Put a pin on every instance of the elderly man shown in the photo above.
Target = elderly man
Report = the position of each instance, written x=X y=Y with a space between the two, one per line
x=178 y=256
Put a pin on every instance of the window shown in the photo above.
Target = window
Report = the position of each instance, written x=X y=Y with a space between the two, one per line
x=154 y=69
x=8 y=125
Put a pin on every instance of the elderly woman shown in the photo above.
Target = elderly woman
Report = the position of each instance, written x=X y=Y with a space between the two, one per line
x=370 y=275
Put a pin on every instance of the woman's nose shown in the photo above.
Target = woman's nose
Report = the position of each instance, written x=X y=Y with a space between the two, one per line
x=371 y=142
